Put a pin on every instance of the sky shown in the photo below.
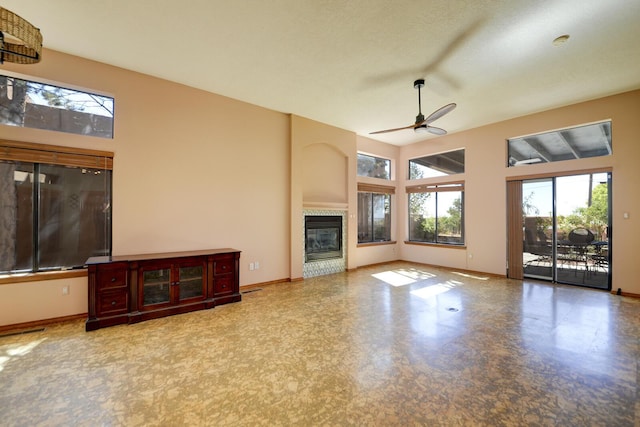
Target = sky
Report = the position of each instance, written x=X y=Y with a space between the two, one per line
x=572 y=192
x=89 y=103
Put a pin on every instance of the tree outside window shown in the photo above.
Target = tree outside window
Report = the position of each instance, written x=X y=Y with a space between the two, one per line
x=36 y=105
x=374 y=217
x=436 y=216
x=374 y=167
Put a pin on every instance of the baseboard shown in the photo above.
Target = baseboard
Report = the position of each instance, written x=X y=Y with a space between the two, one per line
x=262 y=284
x=439 y=267
x=625 y=294
x=40 y=323
x=377 y=264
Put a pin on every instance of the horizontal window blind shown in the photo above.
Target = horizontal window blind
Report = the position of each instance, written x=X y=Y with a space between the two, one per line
x=56 y=155
x=375 y=188
x=426 y=188
x=559 y=173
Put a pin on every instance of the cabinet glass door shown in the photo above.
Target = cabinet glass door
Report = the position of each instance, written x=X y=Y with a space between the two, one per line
x=156 y=286
x=191 y=284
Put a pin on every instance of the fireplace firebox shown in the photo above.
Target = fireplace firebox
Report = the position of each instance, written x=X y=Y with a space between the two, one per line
x=323 y=237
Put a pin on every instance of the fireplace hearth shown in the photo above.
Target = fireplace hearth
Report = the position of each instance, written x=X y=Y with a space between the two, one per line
x=324 y=242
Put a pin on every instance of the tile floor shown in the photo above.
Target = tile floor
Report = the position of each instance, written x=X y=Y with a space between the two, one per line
x=396 y=344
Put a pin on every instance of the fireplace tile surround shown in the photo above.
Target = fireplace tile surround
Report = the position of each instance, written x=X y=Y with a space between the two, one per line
x=326 y=266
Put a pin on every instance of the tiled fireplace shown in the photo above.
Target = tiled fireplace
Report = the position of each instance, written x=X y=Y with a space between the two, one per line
x=324 y=237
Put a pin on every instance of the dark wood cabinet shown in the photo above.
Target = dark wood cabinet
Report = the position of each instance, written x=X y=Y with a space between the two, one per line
x=130 y=289
x=223 y=279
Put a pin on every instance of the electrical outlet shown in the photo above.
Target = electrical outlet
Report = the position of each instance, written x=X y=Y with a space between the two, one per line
x=65 y=290
x=251 y=266
x=257 y=265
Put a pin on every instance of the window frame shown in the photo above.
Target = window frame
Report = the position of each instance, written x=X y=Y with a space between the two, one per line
x=577 y=142
x=374 y=189
x=42 y=154
x=63 y=109
x=375 y=159
x=435 y=188
x=438 y=157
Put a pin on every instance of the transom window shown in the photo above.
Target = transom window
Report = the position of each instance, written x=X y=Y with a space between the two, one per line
x=374 y=167
x=36 y=105
x=593 y=140
x=442 y=164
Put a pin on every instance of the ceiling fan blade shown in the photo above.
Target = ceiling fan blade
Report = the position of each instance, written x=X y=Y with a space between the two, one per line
x=391 y=130
x=436 y=131
x=439 y=113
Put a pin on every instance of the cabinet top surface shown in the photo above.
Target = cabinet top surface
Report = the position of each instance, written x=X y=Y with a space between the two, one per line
x=163 y=255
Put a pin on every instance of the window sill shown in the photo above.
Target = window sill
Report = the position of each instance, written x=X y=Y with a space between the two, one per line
x=437 y=245
x=389 y=242
x=7 y=279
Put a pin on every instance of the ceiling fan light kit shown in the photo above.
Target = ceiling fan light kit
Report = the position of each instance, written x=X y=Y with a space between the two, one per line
x=422 y=125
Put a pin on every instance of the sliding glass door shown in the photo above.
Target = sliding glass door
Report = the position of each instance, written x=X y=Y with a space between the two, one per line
x=538 y=214
x=566 y=225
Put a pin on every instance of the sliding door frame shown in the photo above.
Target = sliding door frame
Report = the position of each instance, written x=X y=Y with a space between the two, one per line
x=515 y=237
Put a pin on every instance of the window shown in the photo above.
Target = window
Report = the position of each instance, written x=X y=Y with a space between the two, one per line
x=579 y=142
x=41 y=106
x=55 y=207
x=437 y=165
x=374 y=213
x=436 y=213
x=374 y=167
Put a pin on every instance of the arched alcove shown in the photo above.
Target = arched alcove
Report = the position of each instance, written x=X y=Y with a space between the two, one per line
x=324 y=175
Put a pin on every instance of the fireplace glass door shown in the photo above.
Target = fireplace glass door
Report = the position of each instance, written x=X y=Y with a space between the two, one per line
x=323 y=237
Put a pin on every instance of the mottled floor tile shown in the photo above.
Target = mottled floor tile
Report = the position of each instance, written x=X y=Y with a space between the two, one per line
x=397 y=344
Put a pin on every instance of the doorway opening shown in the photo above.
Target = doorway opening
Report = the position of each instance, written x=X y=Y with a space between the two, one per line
x=566 y=229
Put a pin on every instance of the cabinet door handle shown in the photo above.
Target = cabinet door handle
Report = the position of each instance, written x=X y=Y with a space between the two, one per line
x=113 y=303
x=113 y=279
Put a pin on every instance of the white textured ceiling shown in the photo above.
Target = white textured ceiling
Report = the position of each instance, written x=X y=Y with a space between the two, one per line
x=352 y=63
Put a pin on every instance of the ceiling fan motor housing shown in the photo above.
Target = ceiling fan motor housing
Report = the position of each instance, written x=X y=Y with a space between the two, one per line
x=423 y=124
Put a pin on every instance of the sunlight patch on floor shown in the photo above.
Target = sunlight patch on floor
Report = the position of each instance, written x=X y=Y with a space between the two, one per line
x=17 y=351
x=394 y=278
x=471 y=276
x=433 y=290
x=416 y=274
x=403 y=277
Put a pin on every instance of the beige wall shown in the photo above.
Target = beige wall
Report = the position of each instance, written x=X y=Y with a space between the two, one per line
x=337 y=149
x=324 y=175
x=192 y=170
x=375 y=254
x=195 y=170
x=485 y=190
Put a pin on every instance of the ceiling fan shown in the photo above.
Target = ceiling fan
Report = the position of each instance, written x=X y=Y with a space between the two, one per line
x=422 y=124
